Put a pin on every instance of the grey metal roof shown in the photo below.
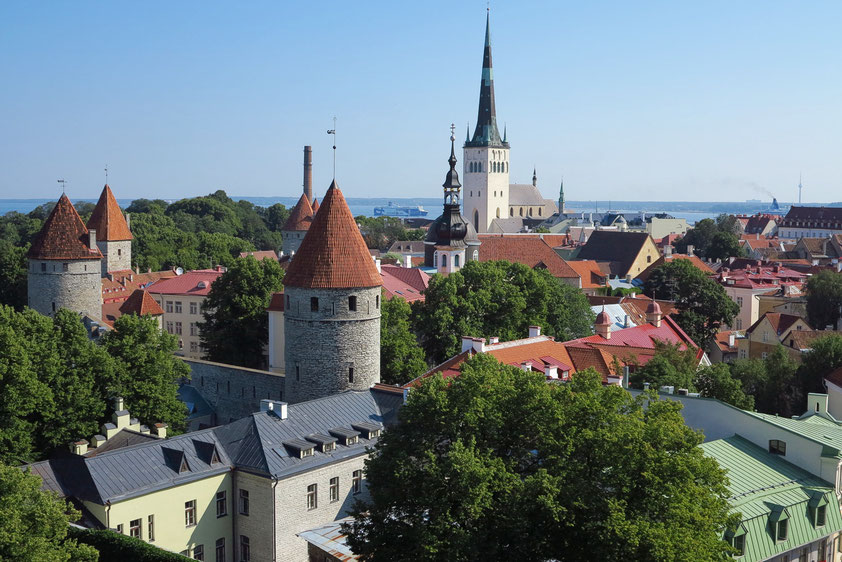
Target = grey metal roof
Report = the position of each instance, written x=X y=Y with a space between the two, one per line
x=526 y=194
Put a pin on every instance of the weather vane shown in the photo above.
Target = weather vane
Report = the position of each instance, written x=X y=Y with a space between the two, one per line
x=452 y=132
x=333 y=132
x=62 y=182
x=106 y=174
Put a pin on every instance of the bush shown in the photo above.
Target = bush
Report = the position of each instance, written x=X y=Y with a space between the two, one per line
x=116 y=547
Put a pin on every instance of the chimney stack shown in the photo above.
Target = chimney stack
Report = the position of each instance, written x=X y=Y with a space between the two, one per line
x=79 y=447
x=92 y=239
x=534 y=331
x=308 y=173
x=161 y=430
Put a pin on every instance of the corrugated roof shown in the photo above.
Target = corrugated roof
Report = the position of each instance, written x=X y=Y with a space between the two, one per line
x=63 y=236
x=333 y=254
x=108 y=220
x=761 y=483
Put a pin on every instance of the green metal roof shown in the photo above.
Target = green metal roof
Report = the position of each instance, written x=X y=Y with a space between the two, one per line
x=815 y=427
x=764 y=486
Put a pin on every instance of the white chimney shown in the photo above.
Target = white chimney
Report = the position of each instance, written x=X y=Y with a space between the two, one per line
x=92 y=239
x=407 y=261
x=493 y=339
x=97 y=440
x=161 y=430
x=732 y=339
x=690 y=249
x=467 y=343
x=534 y=331
x=551 y=371
x=79 y=447
x=275 y=406
x=479 y=345
x=667 y=251
x=526 y=366
x=377 y=265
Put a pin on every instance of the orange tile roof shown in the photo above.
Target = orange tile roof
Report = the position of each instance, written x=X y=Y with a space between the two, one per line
x=590 y=273
x=108 y=220
x=315 y=205
x=835 y=377
x=63 y=236
x=301 y=216
x=333 y=254
x=528 y=250
x=780 y=322
x=644 y=275
x=141 y=303
x=261 y=255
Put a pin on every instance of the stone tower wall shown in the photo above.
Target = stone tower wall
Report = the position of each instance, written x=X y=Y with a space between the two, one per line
x=292 y=240
x=321 y=346
x=117 y=255
x=485 y=191
x=79 y=288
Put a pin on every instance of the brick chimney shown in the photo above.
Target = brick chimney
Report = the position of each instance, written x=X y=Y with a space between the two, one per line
x=308 y=173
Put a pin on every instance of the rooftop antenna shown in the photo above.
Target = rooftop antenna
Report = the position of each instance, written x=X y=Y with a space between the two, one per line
x=333 y=132
x=106 y=174
x=799 y=188
x=62 y=182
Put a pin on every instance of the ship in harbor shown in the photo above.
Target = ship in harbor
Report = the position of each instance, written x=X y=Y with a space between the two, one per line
x=392 y=210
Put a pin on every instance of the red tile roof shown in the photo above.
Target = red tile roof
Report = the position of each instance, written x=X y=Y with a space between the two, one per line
x=277 y=303
x=315 y=205
x=528 y=250
x=333 y=254
x=592 y=276
x=301 y=216
x=108 y=220
x=643 y=336
x=196 y=283
x=722 y=340
x=261 y=255
x=835 y=377
x=407 y=283
x=141 y=303
x=780 y=322
x=694 y=259
x=63 y=236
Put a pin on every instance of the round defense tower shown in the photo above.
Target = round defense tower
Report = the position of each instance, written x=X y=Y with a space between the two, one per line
x=332 y=300
x=65 y=265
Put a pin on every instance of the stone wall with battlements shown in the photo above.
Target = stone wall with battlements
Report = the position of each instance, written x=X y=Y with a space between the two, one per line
x=74 y=284
x=333 y=348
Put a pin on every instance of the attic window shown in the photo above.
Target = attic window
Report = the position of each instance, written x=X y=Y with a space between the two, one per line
x=777 y=447
x=215 y=457
x=346 y=436
x=300 y=447
x=184 y=467
x=325 y=443
x=779 y=519
x=818 y=510
x=737 y=539
x=369 y=430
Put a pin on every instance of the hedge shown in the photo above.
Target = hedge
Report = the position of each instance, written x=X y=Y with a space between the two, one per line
x=116 y=547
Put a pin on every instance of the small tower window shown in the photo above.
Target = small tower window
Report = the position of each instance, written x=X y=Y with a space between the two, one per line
x=498 y=212
x=314 y=304
x=377 y=301
x=65 y=267
x=521 y=211
x=444 y=260
x=352 y=303
x=119 y=252
x=511 y=211
x=456 y=260
x=43 y=267
x=297 y=371
x=350 y=374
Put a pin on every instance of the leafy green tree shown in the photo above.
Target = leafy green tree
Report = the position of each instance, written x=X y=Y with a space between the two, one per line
x=753 y=379
x=35 y=523
x=716 y=381
x=824 y=356
x=713 y=238
x=148 y=372
x=13 y=269
x=236 y=327
x=276 y=216
x=700 y=237
x=723 y=246
x=702 y=303
x=496 y=464
x=154 y=206
x=783 y=392
x=401 y=358
x=728 y=224
x=671 y=366
x=382 y=232
x=497 y=298
x=824 y=299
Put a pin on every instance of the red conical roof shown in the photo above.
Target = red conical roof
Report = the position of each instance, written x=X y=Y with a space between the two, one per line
x=63 y=236
x=333 y=254
x=301 y=216
x=141 y=303
x=108 y=220
x=315 y=205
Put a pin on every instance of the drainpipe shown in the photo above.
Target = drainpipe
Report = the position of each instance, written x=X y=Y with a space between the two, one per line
x=108 y=514
x=274 y=521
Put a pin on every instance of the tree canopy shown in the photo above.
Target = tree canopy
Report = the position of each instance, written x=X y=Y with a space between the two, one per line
x=236 y=326
x=713 y=238
x=824 y=299
x=497 y=298
x=496 y=464
x=382 y=232
x=401 y=358
x=702 y=303
x=35 y=523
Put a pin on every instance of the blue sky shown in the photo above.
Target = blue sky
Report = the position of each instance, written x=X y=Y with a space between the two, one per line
x=717 y=100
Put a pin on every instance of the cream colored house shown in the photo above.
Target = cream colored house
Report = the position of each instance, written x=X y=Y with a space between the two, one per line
x=182 y=299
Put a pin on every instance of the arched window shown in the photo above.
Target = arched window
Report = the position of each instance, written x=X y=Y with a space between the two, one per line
x=476 y=255
x=498 y=212
x=530 y=211
x=511 y=211
x=444 y=260
x=476 y=220
x=456 y=260
x=479 y=193
x=472 y=193
x=521 y=211
x=495 y=194
x=539 y=211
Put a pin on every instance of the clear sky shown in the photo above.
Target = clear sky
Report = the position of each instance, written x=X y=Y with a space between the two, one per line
x=673 y=100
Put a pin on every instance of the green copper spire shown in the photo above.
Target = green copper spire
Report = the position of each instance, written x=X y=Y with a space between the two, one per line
x=486 y=132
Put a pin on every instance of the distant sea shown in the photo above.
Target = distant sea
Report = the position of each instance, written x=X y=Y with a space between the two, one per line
x=365 y=206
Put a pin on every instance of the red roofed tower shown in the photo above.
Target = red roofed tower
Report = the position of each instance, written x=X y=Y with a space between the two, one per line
x=113 y=236
x=297 y=225
x=64 y=265
x=332 y=308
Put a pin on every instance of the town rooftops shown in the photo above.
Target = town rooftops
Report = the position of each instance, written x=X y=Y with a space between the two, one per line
x=301 y=216
x=333 y=254
x=261 y=255
x=694 y=259
x=780 y=322
x=108 y=220
x=531 y=251
x=63 y=236
x=765 y=488
x=408 y=283
x=621 y=248
x=195 y=283
x=813 y=217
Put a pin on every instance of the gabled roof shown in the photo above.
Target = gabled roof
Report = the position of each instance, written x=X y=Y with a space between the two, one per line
x=406 y=283
x=531 y=251
x=63 y=236
x=301 y=216
x=614 y=246
x=592 y=276
x=141 y=303
x=694 y=259
x=780 y=322
x=196 y=283
x=276 y=304
x=333 y=254
x=108 y=220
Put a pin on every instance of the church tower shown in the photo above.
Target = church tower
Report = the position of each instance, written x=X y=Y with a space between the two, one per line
x=486 y=155
x=113 y=236
x=332 y=294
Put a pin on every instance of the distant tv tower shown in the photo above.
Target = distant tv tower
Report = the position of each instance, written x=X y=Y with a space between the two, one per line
x=799 y=188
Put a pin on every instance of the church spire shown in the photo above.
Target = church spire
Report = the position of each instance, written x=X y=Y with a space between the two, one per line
x=451 y=183
x=561 y=197
x=534 y=177
x=486 y=132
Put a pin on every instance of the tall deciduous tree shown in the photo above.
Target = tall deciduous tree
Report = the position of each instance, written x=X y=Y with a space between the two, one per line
x=401 y=358
x=13 y=268
x=824 y=356
x=148 y=372
x=702 y=303
x=236 y=326
x=824 y=299
x=34 y=523
x=716 y=381
x=671 y=366
x=496 y=464
x=497 y=298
